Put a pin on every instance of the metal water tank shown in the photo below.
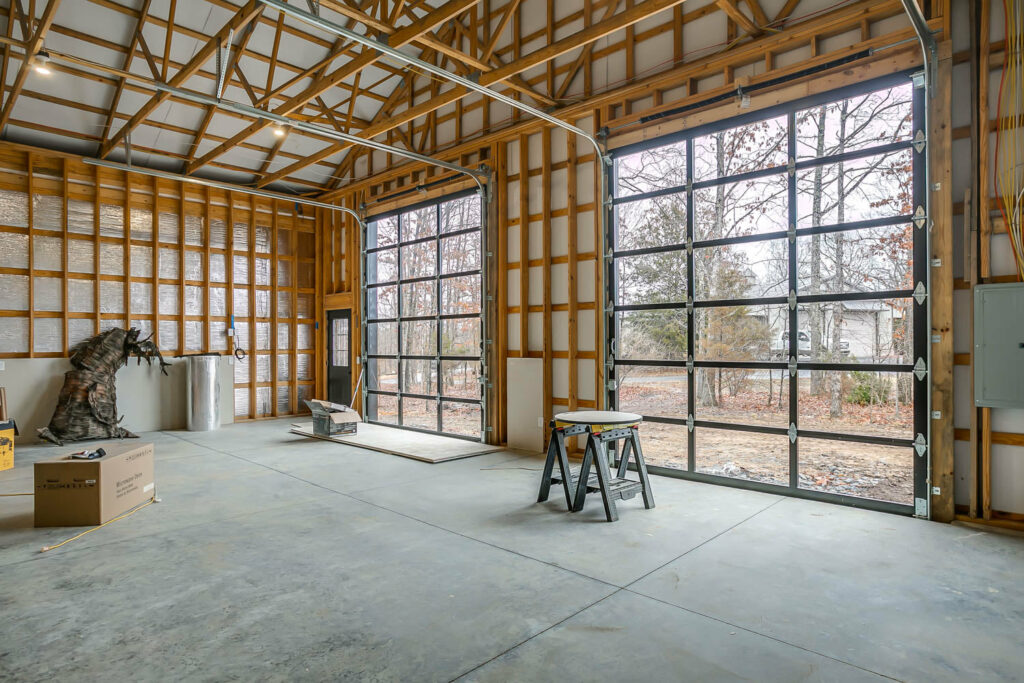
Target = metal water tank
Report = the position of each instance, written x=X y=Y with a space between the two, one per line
x=203 y=391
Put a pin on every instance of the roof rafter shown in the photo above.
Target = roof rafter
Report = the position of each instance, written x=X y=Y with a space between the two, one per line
x=243 y=16
x=542 y=55
x=34 y=44
x=365 y=58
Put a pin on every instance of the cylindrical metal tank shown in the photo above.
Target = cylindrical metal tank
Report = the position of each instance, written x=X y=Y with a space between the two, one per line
x=203 y=391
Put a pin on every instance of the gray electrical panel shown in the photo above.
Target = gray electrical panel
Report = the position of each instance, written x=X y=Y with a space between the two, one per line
x=999 y=345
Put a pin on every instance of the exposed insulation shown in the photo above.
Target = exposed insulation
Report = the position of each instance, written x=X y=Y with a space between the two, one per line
x=194 y=304
x=240 y=302
x=303 y=366
x=284 y=304
x=145 y=327
x=304 y=306
x=47 y=212
x=111 y=220
x=218 y=233
x=48 y=335
x=284 y=399
x=242 y=371
x=81 y=296
x=48 y=253
x=111 y=259
x=263 y=336
x=262 y=271
x=241 y=270
x=262 y=303
x=14 y=335
x=141 y=223
x=13 y=209
x=168 y=227
x=79 y=329
x=241 y=236
x=304 y=336
x=284 y=274
x=81 y=218
x=111 y=297
x=218 y=335
x=81 y=256
x=167 y=297
x=218 y=272
x=194 y=230
x=283 y=368
x=169 y=334
x=303 y=393
x=193 y=265
x=169 y=267
x=242 y=335
x=263 y=367
x=262 y=242
x=218 y=301
x=263 y=406
x=142 y=261
x=14 y=292
x=48 y=293
x=13 y=251
x=241 y=402
x=142 y=298
x=193 y=335
x=284 y=336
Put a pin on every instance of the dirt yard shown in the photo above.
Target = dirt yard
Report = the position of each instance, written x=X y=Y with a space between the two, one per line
x=855 y=469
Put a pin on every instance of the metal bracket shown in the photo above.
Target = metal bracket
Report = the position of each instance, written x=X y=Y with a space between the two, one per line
x=917 y=78
x=936 y=263
x=936 y=414
x=689 y=364
x=920 y=507
x=792 y=432
x=792 y=300
x=920 y=444
x=791 y=233
x=689 y=422
x=920 y=369
x=792 y=366
x=791 y=166
x=128 y=148
x=689 y=304
x=689 y=247
x=920 y=293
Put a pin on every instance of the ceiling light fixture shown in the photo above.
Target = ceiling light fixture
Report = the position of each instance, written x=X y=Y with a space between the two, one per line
x=41 y=63
x=279 y=131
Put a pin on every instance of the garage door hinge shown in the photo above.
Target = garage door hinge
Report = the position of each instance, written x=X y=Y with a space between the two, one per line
x=689 y=364
x=920 y=293
x=792 y=366
x=920 y=444
x=919 y=141
x=689 y=422
x=920 y=217
x=792 y=300
x=792 y=432
x=920 y=369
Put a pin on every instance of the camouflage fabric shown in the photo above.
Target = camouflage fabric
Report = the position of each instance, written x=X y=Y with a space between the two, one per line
x=87 y=405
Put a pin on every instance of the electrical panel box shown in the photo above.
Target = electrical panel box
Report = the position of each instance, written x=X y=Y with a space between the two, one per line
x=999 y=345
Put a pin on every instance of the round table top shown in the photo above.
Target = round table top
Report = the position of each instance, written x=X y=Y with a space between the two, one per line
x=598 y=417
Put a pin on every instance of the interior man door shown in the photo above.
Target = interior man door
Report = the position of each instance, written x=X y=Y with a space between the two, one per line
x=339 y=364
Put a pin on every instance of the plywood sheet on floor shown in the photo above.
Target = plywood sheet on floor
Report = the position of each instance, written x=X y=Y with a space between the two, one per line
x=403 y=442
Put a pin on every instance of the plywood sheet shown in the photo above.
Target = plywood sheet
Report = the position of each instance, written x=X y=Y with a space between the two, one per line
x=406 y=443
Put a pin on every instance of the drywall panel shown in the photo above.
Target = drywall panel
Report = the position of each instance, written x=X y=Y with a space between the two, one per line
x=148 y=400
x=525 y=404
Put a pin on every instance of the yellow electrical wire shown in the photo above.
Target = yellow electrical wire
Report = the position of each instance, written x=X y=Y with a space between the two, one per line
x=89 y=531
x=1009 y=167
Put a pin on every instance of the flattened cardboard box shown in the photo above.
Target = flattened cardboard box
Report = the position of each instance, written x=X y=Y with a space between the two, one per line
x=72 y=492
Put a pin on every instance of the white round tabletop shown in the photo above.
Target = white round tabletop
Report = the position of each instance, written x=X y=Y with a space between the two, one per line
x=598 y=417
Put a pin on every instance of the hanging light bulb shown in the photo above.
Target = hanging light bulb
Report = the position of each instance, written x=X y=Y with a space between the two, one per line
x=41 y=63
x=279 y=131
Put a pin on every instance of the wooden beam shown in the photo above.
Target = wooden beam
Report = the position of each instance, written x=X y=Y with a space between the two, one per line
x=241 y=18
x=34 y=45
x=363 y=60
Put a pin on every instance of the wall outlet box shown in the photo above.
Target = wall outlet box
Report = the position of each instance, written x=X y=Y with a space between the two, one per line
x=540 y=422
x=231 y=332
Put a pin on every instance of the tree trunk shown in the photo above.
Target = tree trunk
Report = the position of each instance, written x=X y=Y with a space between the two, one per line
x=835 y=409
x=817 y=319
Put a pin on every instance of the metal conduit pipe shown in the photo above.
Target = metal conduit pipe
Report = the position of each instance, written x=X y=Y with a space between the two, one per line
x=930 y=51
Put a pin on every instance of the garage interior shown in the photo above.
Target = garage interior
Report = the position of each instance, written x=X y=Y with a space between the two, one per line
x=779 y=243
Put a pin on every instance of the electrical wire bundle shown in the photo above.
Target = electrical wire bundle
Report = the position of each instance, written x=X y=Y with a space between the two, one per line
x=1009 y=159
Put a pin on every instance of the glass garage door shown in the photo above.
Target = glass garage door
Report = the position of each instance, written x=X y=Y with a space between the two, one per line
x=423 y=317
x=763 y=316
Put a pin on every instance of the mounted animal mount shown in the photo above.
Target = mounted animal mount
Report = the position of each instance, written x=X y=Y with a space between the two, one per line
x=87 y=405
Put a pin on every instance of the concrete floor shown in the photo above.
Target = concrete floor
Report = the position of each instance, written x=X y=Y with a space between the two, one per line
x=272 y=557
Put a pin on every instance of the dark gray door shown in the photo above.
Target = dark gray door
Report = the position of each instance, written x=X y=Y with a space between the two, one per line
x=339 y=363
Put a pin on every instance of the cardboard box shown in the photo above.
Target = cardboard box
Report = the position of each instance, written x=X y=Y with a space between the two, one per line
x=7 y=432
x=72 y=492
x=332 y=419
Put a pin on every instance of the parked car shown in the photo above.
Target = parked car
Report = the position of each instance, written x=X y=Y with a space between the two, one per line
x=780 y=347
